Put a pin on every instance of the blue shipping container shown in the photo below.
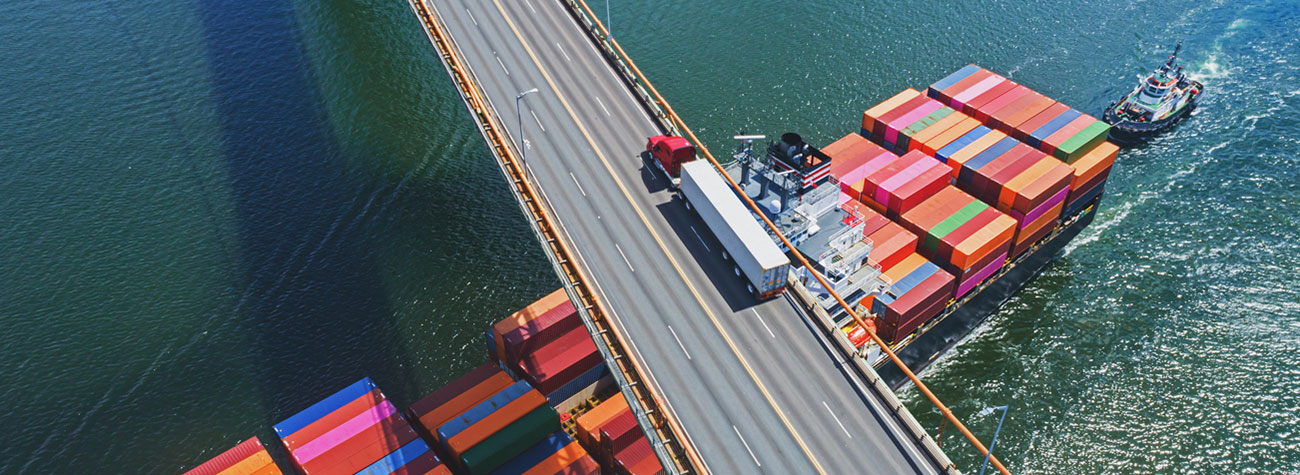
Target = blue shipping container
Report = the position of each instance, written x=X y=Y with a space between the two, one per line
x=398 y=459
x=323 y=408
x=953 y=78
x=483 y=409
x=948 y=150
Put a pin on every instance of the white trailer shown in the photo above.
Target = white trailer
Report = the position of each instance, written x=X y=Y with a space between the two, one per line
x=743 y=239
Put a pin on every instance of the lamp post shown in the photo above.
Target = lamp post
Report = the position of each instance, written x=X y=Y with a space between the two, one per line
x=519 y=115
x=986 y=412
x=609 y=22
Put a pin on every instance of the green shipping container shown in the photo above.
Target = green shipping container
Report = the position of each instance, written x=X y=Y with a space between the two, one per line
x=1083 y=142
x=511 y=440
x=951 y=224
x=905 y=137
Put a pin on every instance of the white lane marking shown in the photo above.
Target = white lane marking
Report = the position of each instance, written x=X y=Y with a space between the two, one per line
x=697 y=236
x=530 y=6
x=539 y=121
x=620 y=252
x=679 y=342
x=575 y=181
x=602 y=106
x=503 y=65
x=742 y=440
x=837 y=419
x=566 y=55
x=471 y=17
x=760 y=320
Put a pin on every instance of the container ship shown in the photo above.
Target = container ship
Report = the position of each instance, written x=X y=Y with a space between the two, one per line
x=544 y=403
x=941 y=206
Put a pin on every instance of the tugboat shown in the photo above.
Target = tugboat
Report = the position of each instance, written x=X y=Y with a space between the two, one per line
x=1155 y=105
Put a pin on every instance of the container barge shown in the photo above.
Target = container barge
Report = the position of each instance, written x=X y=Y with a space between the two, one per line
x=939 y=208
x=545 y=403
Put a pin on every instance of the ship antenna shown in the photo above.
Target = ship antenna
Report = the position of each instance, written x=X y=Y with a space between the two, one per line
x=1177 y=47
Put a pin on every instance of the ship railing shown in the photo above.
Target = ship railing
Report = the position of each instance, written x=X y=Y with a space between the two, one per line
x=670 y=121
x=664 y=434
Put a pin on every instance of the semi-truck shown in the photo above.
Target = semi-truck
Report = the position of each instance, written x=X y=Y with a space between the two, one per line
x=668 y=153
x=744 y=242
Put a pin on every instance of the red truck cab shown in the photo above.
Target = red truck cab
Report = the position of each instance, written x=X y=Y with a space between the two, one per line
x=669 y=152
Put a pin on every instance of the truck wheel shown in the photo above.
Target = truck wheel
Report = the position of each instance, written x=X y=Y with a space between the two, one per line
x=736 y=269
x=751 y=290
x=687 y=203
x=726 y=256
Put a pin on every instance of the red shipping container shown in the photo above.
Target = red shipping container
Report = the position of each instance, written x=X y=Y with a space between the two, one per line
x=871 y=220
x=1035 y=186
x=1019 y=249
x=247 y=457
x=560 y=361
x=879 y=125
x=850 y=152
x=999 y=175
x=494 y=422
x=363 y=449
x=1042 y=118
x=921 y=188
x=923 y=302
x=637 y=451
x=972 y=107
x=433 y=411
x=332 y=420
x=1093 y=163
x=872 y=115
x=1059 y=137
x=541 y=330
x=984 y=114
x=517 y=319
x=422 y=465
x=934 y=130
x=960 y=235
x=1097 y=181
x=890 y=244
x=619 y=433
x=1019 y=110
x=982 y=183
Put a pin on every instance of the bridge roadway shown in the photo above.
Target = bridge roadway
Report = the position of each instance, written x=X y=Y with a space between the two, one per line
x=756 y=386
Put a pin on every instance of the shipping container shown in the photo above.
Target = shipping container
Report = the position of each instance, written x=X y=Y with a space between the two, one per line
x=443 y=405
x=589 y=423
x=619 y=433
x=1036 y=136
x=968 y=283
x=413 y=458
x=890 y=244
x=356 y=444
x=972 y=106
x=561 y=360
x=628 y=459
x=1036 y=122
x=850 y=152
x=1053 y=141
x=489 y=415
x=905 y=182
x=872 y=115
x=943 y=88
x=332 y=420
x=1083 y=142
x=745 y=241
x=324 y=407
x=578 y=384
x=990 y=81
x=917 y=141
x=571 y=460
x=917 y=283
x=510 y=441
x=249 y=457
x=522 y=317
x=1097 y=162
x=535 y=455
x=538 y=331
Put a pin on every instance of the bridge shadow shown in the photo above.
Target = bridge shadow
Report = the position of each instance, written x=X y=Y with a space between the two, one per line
x=312 y=303
x=705 y=248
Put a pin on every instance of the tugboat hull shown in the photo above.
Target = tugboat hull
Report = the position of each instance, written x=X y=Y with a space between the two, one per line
x=1128 y=132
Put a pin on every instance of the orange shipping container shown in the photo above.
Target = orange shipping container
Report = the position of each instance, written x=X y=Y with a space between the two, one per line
x=967 y=124
x=495 y=421
x=1047 y=219
x=589 y=424
x=561 y=462
x=1093 y=163
x=871 y=115
x=890 y=244
x=1034 y=186
x=993 y=238
x=522 y=317
x=934 y=130
x=935 y=209
x=459 y=404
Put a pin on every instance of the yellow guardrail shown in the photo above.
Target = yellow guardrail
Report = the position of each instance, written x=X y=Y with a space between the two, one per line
x=674 y=123
x=681 y=455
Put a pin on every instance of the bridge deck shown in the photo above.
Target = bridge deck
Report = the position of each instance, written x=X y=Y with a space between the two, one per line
x=756 y=386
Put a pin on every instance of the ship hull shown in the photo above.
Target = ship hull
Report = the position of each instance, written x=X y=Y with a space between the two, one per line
x=927 y=347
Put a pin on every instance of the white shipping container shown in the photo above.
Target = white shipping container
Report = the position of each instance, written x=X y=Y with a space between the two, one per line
x=744 y=239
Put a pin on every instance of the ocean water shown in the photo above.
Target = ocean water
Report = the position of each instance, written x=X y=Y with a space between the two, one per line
x=216 y=212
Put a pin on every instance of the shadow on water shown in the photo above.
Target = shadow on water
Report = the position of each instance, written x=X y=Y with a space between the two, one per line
x=314 y=302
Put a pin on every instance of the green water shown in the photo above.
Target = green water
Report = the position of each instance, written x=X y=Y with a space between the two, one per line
x=216 y=212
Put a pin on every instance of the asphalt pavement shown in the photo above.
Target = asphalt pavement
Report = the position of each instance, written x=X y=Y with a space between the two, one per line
x=756 y=386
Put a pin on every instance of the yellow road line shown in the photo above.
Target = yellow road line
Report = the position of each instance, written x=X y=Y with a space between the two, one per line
x=658 y=240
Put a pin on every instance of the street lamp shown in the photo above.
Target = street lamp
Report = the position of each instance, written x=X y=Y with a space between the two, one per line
x=609 y=22
x=985 y=412
x=519 y=115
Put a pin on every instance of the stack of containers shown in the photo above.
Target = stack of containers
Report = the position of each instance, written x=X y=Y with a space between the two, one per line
x=546 y=344
x=498 y=429
x=610 y=430
x=890 y=242
x=1089 y=177
x=458 y=396
x=590 y=422
x=557 y=453
x=964 y=235
x=919 y=292
x=1020 y=181
x=852 y=158
x=353 y=431
x=904 y=183
x=247 y=458
x=894 y=122
x=1026 y=115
